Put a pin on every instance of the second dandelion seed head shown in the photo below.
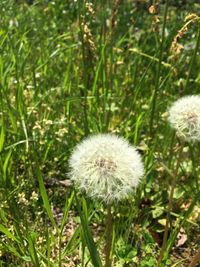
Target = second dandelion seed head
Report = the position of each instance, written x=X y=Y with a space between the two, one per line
x=184 y=117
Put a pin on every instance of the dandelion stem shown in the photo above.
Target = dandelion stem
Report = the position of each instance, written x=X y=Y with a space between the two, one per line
x=108 y=245
x=170 y=206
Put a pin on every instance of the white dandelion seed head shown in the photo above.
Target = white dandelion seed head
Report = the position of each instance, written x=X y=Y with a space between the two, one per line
x=106 y=167
x=184 y=117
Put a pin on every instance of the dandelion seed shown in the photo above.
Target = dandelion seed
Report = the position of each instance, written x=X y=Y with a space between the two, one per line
x=184 y=117
x=106 y=167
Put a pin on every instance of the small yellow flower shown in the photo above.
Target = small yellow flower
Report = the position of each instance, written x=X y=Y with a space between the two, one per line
x=22 y=199
x=34 y=196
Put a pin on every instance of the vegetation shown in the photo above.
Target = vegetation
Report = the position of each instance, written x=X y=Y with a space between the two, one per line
x=69 y=69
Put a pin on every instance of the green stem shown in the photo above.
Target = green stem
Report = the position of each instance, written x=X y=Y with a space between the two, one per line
x=85 y=69
x=195 y=167
x=170 y=206
x=157 y=81
x=193 y=57
x=108 y=260
x=60 y=252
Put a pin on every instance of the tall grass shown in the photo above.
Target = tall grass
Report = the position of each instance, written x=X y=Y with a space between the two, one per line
x=69 y=69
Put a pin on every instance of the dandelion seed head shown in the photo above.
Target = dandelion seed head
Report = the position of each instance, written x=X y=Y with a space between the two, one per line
x=106 y=167
x=184 y=117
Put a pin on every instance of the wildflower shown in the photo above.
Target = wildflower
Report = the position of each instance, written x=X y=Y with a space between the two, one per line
x=176 y=47
x=106 y=167
x=61 y=132
x=34 y=196
x=41 y=240
x=152 y=9
x=184 y=116
x=22 y=199
x=89 y=8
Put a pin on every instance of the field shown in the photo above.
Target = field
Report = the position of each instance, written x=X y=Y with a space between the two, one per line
x=71 y=69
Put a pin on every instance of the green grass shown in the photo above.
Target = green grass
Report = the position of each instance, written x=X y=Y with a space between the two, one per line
x=65 y=73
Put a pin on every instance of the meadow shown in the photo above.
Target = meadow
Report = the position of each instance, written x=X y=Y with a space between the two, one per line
x=71 y=69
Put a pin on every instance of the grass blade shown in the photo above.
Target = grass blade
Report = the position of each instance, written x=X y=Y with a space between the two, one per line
x=44 y=195
x=2 y=136
x=88 y=238
x=5 y=231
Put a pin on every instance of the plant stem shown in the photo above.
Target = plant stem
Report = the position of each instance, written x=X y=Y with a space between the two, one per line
x=86 y=71
x=193 y=57
x=157 y=81
x=195 y=259
x=170 y=206
x=194 y=168
x=60 y=250
x=108 y=245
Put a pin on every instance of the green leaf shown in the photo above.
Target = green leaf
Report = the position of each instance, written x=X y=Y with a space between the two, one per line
x=3 y=216
x=66 y=210
x=88 y=237
x=5 y=165
x=75 y=237
x=2 y=136
x=44 y=195
x=32 y=249
x=5 y=231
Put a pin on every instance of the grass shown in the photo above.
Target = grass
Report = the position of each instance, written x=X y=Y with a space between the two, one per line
x=69 y=69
